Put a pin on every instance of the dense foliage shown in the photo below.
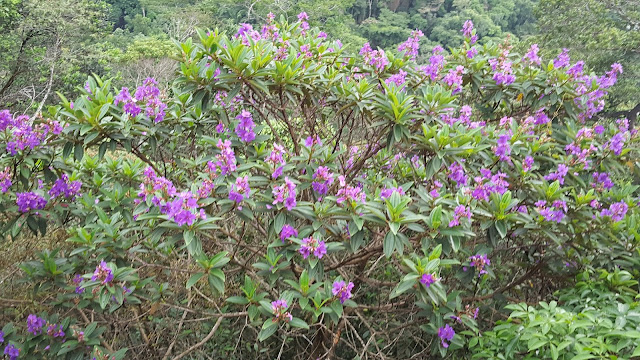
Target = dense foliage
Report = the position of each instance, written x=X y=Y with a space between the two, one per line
x=287 y=197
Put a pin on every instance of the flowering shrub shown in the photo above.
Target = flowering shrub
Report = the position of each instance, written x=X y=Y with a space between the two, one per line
x=338 y=203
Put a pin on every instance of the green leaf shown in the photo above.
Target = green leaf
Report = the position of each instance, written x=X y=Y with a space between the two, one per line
x=299 y=323
x=194 y=279
x=268 y=328
x=78 y=152
x=389 y=244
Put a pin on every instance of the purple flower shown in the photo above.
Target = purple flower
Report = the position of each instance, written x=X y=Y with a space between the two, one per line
x=322 y=35
x=616 y=143
x=616 y=211
x=342 y=290
x=35 y=324
x=427 y=279
x=386 y=193
x=285 y=194
x=446 y=333
x=12 y=352
x=240 y=190
x=30 y=201
x=226 y=160
x=558 y=175
x=599 y=129
x=556 y=212
x=103 y=273
x=78 y=281
x=411 y=46
x=472 y=52
x=374 y=58
x=1 y=336
x=503 y=148
x=601 y=181
x=245 y=126
x=5 y=180
x=467 y=31
x=311 y=245
x=479 y=262
x=287 y=232
x=348 y=193
x=310 y=141
x=527 y=164
x=454 y=78
x=55 y=331
x=397 y=79
x=323 y=178
x=279 y=308
x=459 y=212
x=562 y=60
x=63 y=186
x=434 y=191
x=6 y=120
x=183 y=209
x=532 y=56
x=457 y=174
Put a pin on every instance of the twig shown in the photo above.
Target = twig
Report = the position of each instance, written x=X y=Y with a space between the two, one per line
x=213 y=331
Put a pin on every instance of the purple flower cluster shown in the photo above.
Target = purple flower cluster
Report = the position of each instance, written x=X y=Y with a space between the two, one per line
x=285 y=194
x=55 y=331
x=35 y=324
x=446 y=334
x=460 y=212
x=157 y=188
x=479 y=262
x=503 y=147
x=434 y=190
x=562 y=60
x=468 y=32
x=147 y=93
x=616 y=211
x=397 y=79
x=386 y=193
x=375 y=58
x=12 y=352
x=310 y=141
x=27 y=201
x=77 y=280
x=225 y=161
x=64 y=187
x=287 y=232
x=304 y=25
x=276 y=159
x=558 y=175
x=412 y=45
x=311 y=245
x=342 y=290
x=279 y=308
x=322 y=179
x=348 y=193
x=183 y=209
x=556 y=212
x=436 y=63
x=527 y=163
x=454 y=79
x=240 y=190
x=24 y=134
x=531 y=56
x=601 y=181
x=486 y=184
x=5 y=180
x=457 y=174
x=427 y=279
x=616 y=144
x=103 y=273
x=505 y=75
x=245 y=127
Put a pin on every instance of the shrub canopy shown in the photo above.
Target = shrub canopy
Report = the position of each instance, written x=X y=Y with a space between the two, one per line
x=337 y=202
